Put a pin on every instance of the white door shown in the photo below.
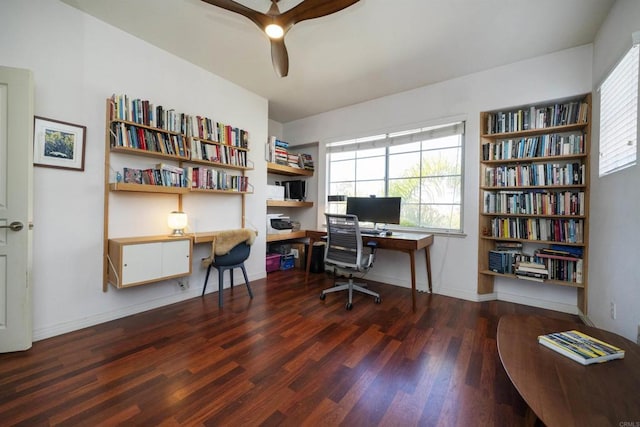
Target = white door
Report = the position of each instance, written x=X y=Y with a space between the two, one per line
x=16 y=211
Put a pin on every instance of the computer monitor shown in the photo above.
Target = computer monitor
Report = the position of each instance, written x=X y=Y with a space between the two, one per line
x=379 y=210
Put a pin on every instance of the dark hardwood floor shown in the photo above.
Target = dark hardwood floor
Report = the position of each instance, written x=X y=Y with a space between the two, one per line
x=283 y=358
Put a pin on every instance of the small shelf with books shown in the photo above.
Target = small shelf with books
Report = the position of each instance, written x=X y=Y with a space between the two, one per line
x=283 y=161
x=199 y=155
x=534 y=191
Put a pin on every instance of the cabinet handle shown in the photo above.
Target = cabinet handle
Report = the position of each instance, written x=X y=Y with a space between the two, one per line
x=14 y=226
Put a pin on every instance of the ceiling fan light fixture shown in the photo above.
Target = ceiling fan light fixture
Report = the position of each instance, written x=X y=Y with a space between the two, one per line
x=274 y=31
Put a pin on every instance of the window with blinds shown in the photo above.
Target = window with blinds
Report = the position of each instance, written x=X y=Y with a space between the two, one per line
x=422 y=166
x=619 y=115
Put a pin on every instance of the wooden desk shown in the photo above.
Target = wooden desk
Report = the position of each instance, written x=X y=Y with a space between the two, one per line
x=561 y=392
x=408 y=243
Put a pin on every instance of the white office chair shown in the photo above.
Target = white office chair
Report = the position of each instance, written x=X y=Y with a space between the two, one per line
x=344 y=251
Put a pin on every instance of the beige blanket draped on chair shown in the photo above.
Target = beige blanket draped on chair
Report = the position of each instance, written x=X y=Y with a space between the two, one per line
x=225 y=240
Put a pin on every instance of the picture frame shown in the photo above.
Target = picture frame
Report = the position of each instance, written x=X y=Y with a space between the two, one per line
x=58 y=144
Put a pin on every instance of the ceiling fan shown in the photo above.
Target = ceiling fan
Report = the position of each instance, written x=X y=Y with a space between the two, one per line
x=276 y=24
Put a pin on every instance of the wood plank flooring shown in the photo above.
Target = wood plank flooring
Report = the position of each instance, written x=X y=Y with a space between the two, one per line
x=283 y=358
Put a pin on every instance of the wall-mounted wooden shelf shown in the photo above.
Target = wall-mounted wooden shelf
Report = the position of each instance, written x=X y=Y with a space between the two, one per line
x=289 y=204
x=287 y=170
x=286 y=236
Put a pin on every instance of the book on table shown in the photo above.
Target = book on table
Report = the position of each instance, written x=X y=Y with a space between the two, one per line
x=581 y=347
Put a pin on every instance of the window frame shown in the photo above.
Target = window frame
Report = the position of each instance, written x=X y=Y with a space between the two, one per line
x=451 y=127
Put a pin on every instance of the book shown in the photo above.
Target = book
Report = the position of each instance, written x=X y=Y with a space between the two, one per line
x=132 y=176
x=581 y=347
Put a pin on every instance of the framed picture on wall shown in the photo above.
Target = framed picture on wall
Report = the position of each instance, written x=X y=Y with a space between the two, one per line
x=58 y=144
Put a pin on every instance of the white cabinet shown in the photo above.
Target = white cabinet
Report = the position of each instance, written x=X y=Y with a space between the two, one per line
x=140 y=260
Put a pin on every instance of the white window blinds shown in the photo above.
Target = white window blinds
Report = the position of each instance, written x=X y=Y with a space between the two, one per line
x=619 y=114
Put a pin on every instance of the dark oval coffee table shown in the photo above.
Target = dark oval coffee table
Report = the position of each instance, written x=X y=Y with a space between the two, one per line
x=562 y=392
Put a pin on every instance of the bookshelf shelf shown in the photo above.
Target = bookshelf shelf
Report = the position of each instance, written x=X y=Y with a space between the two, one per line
x=547 y=281
x=535 y=158
x=287 y=170
x=145 y=188
x=146 y=153
x=289 y=204
x=209 y=190
x=219 y=165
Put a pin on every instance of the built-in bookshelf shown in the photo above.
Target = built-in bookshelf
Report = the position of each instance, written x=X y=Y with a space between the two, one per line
x=534 y=194
x=195 y=154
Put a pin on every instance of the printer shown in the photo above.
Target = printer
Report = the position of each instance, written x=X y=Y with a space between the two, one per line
x=278 y=224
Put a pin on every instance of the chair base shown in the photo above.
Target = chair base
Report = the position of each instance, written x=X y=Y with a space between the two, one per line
x=350 y=286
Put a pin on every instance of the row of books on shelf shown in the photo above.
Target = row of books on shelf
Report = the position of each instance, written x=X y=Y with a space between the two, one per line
x=563 y=264
x=534 y=202
x=277 y=151
x=210 y=130
x=581 y=347
x=164 y=175
x=535 y=175
x=188 y=177
x=213 y=179
x=546 y=229
x=129 y=136
x=143 y=112
x=218 y=153
x=537 y=117
x=536 y=146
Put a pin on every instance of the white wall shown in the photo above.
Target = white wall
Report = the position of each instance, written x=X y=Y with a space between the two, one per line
x=614 y=276
x=77 y=62
x=454 y=260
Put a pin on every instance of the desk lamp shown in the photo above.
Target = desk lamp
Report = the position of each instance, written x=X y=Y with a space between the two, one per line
x=177 y=221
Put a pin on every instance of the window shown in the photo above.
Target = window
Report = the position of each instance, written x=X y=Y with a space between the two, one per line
x=423 y=166
x=619 y=115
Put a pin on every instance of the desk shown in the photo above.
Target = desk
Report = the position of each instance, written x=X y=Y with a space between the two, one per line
x=408 y=243
x=562 y=392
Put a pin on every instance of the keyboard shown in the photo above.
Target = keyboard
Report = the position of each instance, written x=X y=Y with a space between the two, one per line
x=370 y=231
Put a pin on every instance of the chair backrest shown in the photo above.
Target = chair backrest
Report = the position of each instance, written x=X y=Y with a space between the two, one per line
x=344 y=242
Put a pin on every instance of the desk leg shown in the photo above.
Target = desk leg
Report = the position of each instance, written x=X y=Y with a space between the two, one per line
x=412 y=260
x=426 y=252
x=309 y=253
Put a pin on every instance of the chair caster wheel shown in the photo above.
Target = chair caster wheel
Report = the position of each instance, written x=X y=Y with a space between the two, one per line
x=378 y=300
x=349 y=306
x=322 y=296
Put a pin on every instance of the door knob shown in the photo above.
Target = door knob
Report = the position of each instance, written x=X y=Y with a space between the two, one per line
x=14 y=226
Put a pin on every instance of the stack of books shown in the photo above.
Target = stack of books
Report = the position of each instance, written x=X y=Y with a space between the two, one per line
x=504 y=256
x=307 y=161
x=277 y=151
x=294 y=160
x=531 y=271
x=581 y=347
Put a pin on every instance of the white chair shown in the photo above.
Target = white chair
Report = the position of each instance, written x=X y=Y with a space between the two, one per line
x=345 y=252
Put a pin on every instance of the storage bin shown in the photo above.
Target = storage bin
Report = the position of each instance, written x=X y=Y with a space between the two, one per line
x=287 y=262
x=273 y=262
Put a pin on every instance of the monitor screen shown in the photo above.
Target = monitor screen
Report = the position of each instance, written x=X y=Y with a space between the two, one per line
x=380 y=210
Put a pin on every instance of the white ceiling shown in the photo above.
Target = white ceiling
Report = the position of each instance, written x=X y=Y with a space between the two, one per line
x=369 y=50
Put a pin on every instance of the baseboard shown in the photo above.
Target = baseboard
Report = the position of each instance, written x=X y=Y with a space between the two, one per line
x=539 y=303
x=76 y=324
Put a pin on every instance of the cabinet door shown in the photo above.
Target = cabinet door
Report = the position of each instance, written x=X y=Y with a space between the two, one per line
x=141 y=262
x=176 y=257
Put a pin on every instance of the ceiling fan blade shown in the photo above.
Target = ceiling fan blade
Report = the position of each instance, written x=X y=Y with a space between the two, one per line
x=279 y=57
x=310 y=9
x=258 y=18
